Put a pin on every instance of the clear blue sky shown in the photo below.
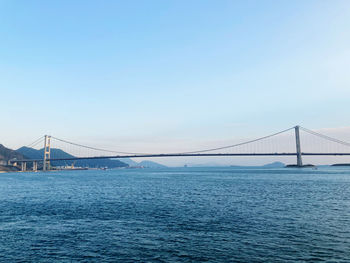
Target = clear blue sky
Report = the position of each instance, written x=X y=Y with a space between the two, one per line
x=163 y=74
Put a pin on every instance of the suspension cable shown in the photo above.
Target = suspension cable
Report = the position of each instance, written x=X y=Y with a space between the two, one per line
x=199 y=151
x=325 y=137
x=239 y=144
x=93 y=148
x=35 y=142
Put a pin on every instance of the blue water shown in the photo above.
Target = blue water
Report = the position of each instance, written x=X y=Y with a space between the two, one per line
x=176 y=215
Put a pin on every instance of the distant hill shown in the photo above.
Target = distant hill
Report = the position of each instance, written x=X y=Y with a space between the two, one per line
x=341 y=164
x=150 y=164
x=8 y=154
x=146 y=164
x=7 y=168
x=269 y=165
x=274 y=165
x=31 y=153
x=129 y=162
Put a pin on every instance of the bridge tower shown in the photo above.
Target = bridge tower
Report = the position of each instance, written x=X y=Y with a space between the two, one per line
x=297 y=140
x=47 y=152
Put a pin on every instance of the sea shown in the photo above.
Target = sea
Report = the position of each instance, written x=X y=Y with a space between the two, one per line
x=188 y=214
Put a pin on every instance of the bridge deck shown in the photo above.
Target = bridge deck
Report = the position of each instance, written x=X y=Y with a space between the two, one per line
x=182 y=155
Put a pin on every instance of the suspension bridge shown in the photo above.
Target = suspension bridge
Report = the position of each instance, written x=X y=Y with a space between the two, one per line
x=295 y=141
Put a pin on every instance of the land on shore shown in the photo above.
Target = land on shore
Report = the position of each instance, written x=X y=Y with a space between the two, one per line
x=27 y=153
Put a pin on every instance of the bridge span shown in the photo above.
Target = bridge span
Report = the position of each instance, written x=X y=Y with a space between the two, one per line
x=183 y=155
x=212 y=152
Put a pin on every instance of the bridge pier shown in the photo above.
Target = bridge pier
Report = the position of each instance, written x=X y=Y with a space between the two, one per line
x=298 y=148
x=23 y=166
x=35 y=166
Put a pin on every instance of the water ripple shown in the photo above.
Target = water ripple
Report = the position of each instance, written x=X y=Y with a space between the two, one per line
x=176 y=215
